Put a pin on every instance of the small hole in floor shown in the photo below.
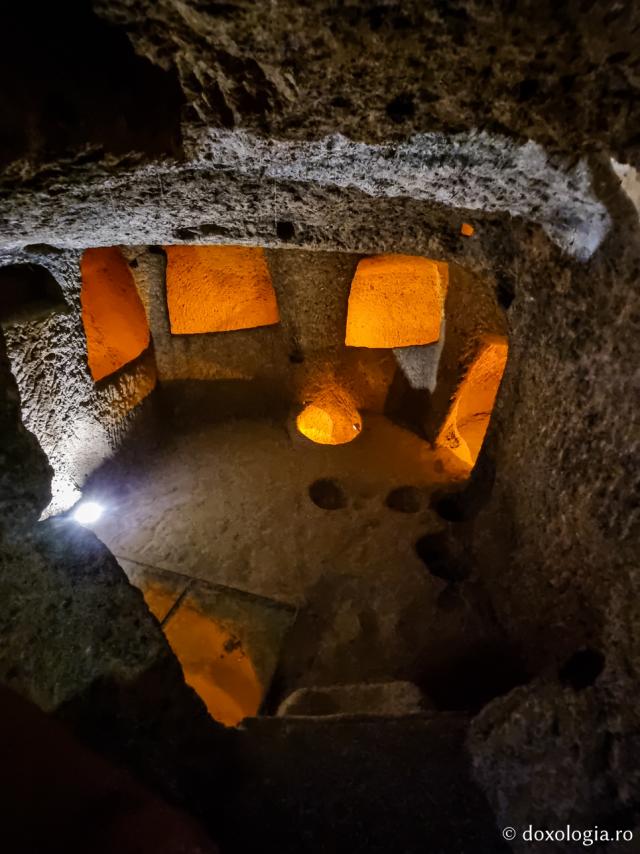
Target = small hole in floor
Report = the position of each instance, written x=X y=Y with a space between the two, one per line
x=404 y=499
x=435 y=552
x=285 y=229
x=582 y=669
x=327 y=494
x=449 y=506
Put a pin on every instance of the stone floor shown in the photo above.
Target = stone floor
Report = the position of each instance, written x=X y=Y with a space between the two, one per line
x=249 y=504
x=230 y=503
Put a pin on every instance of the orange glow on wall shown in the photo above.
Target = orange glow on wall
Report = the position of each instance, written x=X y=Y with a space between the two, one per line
x=114 y=319
x=218 y=289
x=396 y=301
x=468 y=418
x=467 y=230
x=214 y=664
x=330 y=419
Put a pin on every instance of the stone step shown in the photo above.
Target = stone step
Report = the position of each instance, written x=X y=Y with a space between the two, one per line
x=380 y=698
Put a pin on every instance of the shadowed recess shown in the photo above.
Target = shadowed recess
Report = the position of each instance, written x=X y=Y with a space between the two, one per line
x=28 y=292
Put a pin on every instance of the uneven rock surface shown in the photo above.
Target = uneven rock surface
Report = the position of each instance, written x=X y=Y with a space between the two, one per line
x=24 y=471
x=362 y=784
x=77 y=639
x=82 y=802
x=382 y=69
x=77 y=422
x=383 y=698
x=375 y=128
x=556 y=542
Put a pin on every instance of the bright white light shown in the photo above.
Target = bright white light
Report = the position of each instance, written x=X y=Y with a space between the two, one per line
x=87 y=512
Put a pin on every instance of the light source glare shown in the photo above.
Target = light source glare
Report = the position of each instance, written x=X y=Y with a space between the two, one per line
x=87 y=512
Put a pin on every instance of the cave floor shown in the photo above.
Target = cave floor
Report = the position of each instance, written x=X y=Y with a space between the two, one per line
x=228 y=503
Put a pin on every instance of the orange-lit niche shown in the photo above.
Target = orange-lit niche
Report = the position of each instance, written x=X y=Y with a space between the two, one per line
x=396 y=301
x=114 y=319
x=218 y=289
x=330 y=419
x=468 y=417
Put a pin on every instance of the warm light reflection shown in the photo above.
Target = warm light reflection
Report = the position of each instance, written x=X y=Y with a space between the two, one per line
x=114 y=319
x=468 y=418
x=396 y=301
x=331 y=419
x=215 y=664
x=218 y=289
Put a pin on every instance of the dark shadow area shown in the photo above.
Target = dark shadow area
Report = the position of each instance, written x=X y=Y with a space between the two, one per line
x=470 y=681
x=582 y=669
x=60 y=798
x=72 y=81
x=442 y=557
x=355 y=784
x=196 y=403
x=29 y=292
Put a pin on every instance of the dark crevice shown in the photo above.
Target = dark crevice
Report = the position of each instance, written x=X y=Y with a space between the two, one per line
x=470 y=681
x=582 y=669
x=441 y=557
x=119 y=103
x=29 y=292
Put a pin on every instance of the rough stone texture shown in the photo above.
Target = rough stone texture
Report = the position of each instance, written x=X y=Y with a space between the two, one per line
x=77 y=639
x=201 y=491
x=471 y=312
x=241 y=70
x=77 y=422
x=420 y=364
x=24 y=471
x=630 y=181
x=553 y=542
x=82 y=802
x=382 y=698
x=82 y=603
x=222 y=194
x=372 y=68
x=356 y=784
x=289 y=362
x=561 y=531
